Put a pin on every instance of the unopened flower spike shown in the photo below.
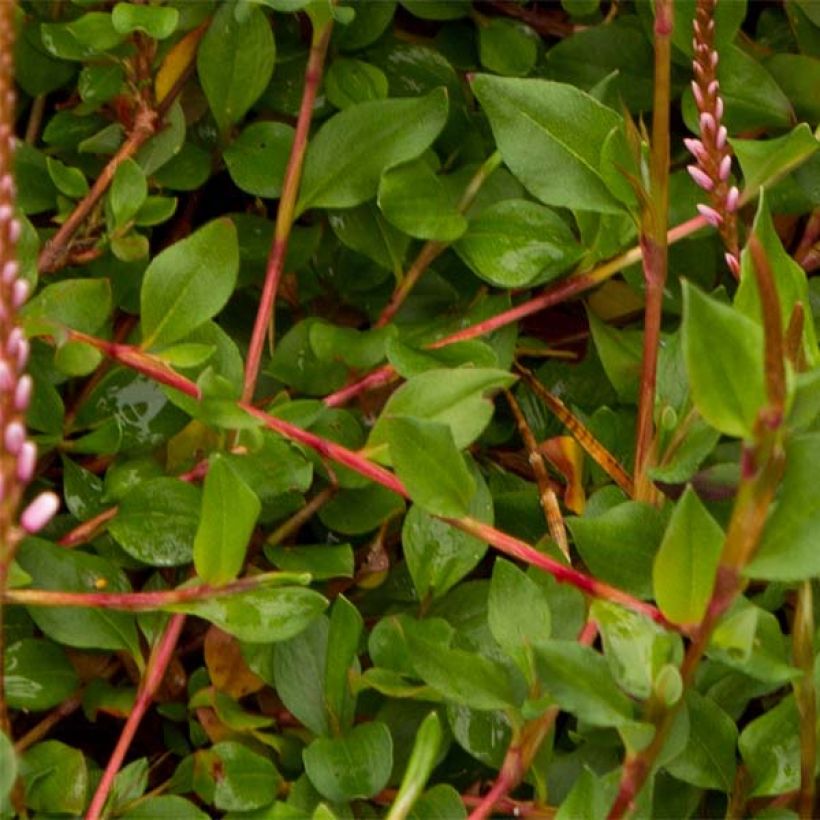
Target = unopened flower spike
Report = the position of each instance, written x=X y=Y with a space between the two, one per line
x=18 y=455
x=713 y=157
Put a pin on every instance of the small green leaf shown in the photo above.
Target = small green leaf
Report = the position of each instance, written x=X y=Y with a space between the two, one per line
x=350 y=151
x=157 y=522
x=420 y=766
x=8 y=767
x=188 y=283
x=723 y=350
x=229 y=512
x=322 y=561
x=257 y=158
x=413 y=198
x=69 y=181
x=156 y=21
x=427 y=461
x=620 y=352
x=79 y=304
x=263 y=614
x=507 y=47
x=357 y=511
x=520 y=628
x=129 y=190
x=516 y=243
x=38 y=675
x=234 y=778
x=343 y=638
x=55 y=777
x=350 y=81
x=579 y=680
x=235 y=61
x=549 y=131
x=165 y=807
x=463 y=677
x=352 y=767
x=685 y=565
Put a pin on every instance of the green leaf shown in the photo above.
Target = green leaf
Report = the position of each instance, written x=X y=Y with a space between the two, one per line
x=365 y=230
x=437 y=9
x=428 y=463
x=52 y=567
x=79 y=304
x=157 y=522
x=8 y=767
x=350 y=81
x=550 y=131
x=770 y=747
x=229 y=512
x=235 y=61
x=295 y=363
x=438 y=556
x=68 y=181
x=619 y=545
x=353 y=767
x=129 y=190
x=188 y=283
x=515 y=634
x=259 y=615
x=684 y=570
x=420 y=766
x=234 y=778
x=798 y=75
x=708 y=761
x=359 y=511
x=507 y=47
x=343 y=639
x=452 y=397
x=55 y=777
x=155 y=21
x=413 y=198
x=368 y=25
x=788 y=548
x=322 y=561
x=165 y=807
x=299 y=666
x=38 y=675
x=463 y=677
x=362 y=349
x=620 y=352
x=350 y=151
x=516 y=243
x=790 y=281
x=723 y=350
x=258 y=157
x=579 y=680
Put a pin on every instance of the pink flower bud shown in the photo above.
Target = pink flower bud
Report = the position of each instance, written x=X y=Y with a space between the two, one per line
x=732 y=263
x=720 y=139
x=707 y=122
x=710 y=215
x=701 y=178
x=725 y=168
x=19 y=292
x=15 y=229
x=27 y=461
x=22 y=393
x=698 y=68
x=719 y=109
x=14 y=437
x=732 y=199
x=40 y=512
x=713 y=58
x=6 y=181
x=11 y=270
x=5 y=213
x=697 y=94
x=6 y=377
x=13 y=341
x=695 y=147
x=22 y=354
x=713 y=87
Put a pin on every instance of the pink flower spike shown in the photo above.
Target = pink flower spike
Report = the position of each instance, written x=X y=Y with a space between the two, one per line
x=710 y=215
x=732 y=199
x=707 y=122
x=22 y=393
x=11 y=270
x=725 y=168
x=700 y=177
x=732 y=263
x=14 y=437
x=19 y=292
x=719 y=109
x=26 y=462
x=720 y=140
x=40 y=512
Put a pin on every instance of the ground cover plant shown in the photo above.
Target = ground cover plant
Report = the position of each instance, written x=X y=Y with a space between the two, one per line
x=409 y=409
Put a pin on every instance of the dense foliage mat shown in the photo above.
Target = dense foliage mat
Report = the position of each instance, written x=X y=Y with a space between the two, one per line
x=409 y=409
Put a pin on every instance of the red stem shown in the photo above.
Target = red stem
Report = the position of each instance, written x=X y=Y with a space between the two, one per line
x=287 y=209
x=157 y=664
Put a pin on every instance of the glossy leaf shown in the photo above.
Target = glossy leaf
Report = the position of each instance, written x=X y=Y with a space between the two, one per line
x=684 y=569
x=350 y=81
x=351 y=150
x=229 y=512
x=188 y=283
x=55 y=777
x=257 y=158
